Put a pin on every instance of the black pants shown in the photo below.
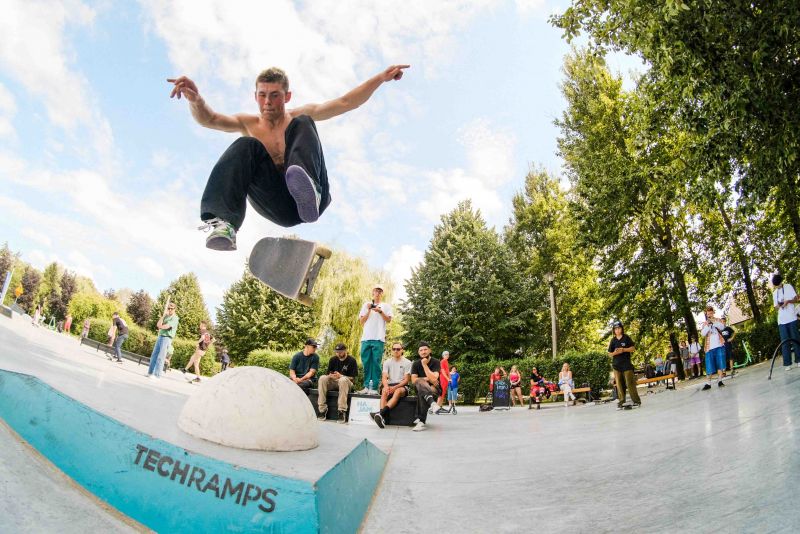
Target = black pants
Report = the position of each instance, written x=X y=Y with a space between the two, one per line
x=426 y=394
x=246 y=170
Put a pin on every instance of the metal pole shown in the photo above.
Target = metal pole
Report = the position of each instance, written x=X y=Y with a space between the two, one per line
x=553 y=320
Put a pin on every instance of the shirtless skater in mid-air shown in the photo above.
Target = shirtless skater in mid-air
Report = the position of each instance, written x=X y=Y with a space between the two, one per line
x=277 y=163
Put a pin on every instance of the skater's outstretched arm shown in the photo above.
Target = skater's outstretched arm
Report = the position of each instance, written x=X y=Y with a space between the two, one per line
x=353 y=99
x=202 y=113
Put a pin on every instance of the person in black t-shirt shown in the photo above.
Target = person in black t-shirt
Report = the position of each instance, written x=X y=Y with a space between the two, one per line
x=728 y=333
x=425 y=377
x=304 y=366
x=122 y=335
x=342 y=370
x=620 y=350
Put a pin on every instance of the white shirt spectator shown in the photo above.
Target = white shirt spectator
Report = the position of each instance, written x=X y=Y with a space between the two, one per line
x=788 y=313
x=694 y=349
x=375 y=326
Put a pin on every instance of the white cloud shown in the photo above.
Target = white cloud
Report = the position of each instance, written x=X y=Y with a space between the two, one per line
x=399 y=266
x=8 y=108
x=150 y=266
x=37 y=236
x=34 y=51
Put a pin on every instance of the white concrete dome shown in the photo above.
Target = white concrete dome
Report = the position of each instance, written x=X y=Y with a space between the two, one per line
x=251 y=408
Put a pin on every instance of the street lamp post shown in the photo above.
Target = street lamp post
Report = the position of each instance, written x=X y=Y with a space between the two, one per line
x=550 y=281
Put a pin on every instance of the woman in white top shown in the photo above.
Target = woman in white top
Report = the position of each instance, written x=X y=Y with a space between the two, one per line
x=784 y=298
x=566 y=384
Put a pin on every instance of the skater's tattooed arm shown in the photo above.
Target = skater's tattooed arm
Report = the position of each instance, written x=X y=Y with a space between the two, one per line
x=351 y=100
x=202 y=113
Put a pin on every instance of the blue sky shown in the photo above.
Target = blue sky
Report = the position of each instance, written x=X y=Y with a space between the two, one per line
x=101 y=171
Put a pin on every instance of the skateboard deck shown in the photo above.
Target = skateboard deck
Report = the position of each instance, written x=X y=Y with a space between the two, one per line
x=289 y=266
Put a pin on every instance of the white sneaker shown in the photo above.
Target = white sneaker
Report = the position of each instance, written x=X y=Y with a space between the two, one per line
x=416 y=421
x=789 y=368
x=798 y=364
x=419 y=427
x=149 y=376
x=435 y=406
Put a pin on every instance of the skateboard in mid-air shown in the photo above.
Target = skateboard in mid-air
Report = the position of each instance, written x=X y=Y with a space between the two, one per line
x=289 y=266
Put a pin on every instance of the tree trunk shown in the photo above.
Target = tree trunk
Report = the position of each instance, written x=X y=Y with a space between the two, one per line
x=743 y=264
x=790 y=203
x=680 y=293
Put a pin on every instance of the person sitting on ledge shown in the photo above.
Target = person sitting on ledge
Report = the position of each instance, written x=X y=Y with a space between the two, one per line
x=304 y=366
x=396 y=376
x=425 y=377
x=342 y=369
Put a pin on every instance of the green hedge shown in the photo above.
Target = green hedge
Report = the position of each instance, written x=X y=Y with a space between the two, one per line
x=762 y=338
x=591 y=368
x=141 y=341
x=277 y=361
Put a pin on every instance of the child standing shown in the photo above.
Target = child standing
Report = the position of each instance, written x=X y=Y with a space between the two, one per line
x=452 y=391
x=226 y=360
x=566 y=384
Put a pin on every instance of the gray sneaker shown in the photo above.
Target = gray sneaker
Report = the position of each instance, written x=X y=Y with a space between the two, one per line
x=304 y=192
x=222 y=236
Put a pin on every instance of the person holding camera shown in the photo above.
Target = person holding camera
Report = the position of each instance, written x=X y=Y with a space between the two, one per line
x=714 y=346
x=784 y=298
x=374 y=316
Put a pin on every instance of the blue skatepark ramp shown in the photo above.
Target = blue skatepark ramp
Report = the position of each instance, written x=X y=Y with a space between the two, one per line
x=171 y=489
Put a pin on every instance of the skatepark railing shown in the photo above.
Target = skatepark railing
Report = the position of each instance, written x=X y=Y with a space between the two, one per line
x=775 y=354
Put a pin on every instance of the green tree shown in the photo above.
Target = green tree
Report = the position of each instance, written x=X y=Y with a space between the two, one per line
x=190 y=305
x=140 y=307
x=9 y=261
x=31 y=279
x=60 y=302
x=630 y=185
x=253 y=316
x=543 y=235
x=92 y=305
x=464 y=296
x=50 y=288
x=732 y=72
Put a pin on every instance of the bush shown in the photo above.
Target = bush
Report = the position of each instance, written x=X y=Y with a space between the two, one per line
x=591 y=368
x=277 y=361
x=762 y=338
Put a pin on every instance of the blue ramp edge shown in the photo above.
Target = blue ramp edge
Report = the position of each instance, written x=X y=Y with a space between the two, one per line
x=170 y=489
x=345 y=492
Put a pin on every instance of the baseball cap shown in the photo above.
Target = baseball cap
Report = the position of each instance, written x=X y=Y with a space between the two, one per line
x=616 y=323
x=310 y=341
x=379 y=286
x=340 y=346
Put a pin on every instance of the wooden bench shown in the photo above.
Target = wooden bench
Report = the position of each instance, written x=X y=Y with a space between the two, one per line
x=587 y=391
x=666 y=378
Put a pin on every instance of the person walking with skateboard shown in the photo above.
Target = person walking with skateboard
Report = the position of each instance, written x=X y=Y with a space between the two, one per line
x=122 y=335
x=278 y=162
x=620 y=349
x=374 y=316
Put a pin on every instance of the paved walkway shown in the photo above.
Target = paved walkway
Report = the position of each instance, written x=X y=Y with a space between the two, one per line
x=724 y=460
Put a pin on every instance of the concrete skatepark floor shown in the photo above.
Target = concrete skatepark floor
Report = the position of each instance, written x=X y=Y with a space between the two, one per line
x=725 y=460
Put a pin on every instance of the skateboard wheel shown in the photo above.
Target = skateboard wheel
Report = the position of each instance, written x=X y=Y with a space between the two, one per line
x=323 y=252
x=305 y=299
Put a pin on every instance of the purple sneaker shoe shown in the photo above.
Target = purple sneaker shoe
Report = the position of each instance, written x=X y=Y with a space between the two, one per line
x=304 y=192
